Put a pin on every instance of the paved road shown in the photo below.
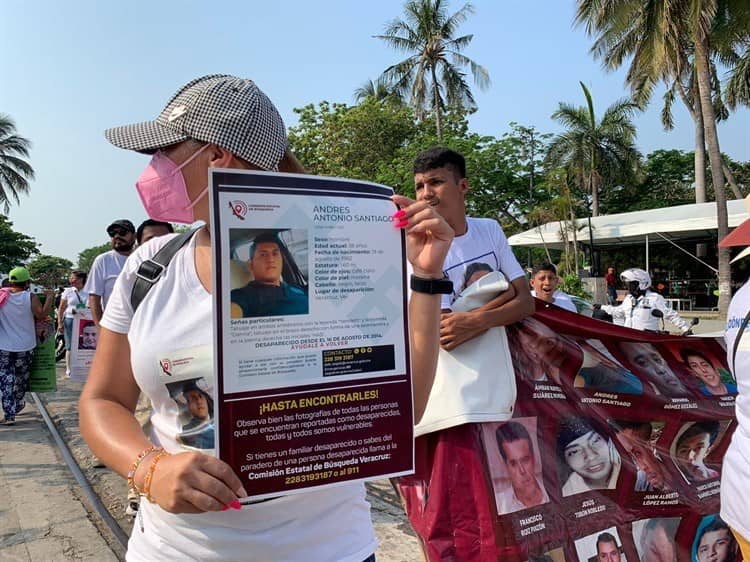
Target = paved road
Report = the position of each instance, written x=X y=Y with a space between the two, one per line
x=42 y=516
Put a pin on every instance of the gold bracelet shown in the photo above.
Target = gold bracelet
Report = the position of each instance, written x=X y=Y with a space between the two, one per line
x=150 y=474
x=136 y=463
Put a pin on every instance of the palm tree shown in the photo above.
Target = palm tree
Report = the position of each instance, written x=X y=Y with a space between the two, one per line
x=738 y=87
x=592 y=151
x=376 y=89
x=431 y=77
x=659 y=35
x=15 y=172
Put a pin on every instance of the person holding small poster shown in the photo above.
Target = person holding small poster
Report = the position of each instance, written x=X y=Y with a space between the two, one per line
x=193 y=509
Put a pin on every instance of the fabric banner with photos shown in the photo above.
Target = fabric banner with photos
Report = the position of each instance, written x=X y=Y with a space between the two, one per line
x=613 y=453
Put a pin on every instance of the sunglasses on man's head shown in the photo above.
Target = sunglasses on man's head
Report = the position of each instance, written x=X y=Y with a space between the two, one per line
x=118 y=232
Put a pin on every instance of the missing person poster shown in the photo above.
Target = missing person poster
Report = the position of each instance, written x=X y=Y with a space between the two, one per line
x=313 y=384
x=85 y=336
x=613 y=452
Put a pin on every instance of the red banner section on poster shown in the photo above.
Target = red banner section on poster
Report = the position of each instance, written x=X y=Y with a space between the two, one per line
x=313 y=381
x=613 y=453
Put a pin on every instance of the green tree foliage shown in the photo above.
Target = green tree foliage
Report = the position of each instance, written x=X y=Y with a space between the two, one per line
x=15 y=171
x=378 y=90
x=597 y=154
x=668 y=177
x=432 y=76
x=50 y=271
x=86 y=257
x=15 y=248
x=355 y=142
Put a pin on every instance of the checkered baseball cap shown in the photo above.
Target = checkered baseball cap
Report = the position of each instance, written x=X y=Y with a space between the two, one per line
x=230 y=112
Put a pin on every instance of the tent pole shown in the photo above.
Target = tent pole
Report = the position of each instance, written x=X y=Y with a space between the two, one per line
x=647 y=253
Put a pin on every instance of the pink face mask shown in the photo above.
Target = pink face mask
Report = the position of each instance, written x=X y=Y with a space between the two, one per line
x=163 y=192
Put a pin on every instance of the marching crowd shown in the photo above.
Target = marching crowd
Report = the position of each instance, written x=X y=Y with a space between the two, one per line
x=191 y=508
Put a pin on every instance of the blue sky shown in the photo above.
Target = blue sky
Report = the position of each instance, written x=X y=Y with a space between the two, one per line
x=72 y=69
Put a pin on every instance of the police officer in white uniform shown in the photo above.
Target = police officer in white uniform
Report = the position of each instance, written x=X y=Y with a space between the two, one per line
x=637 y=308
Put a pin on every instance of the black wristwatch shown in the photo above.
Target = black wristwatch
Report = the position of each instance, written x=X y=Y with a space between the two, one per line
x=442 y=286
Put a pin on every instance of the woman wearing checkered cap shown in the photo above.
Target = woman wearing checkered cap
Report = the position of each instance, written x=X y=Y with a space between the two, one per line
x=221 y=122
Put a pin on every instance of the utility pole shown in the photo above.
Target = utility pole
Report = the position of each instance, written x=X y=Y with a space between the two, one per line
x=527 y=136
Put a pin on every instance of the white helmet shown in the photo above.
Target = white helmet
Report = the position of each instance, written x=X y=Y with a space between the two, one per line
x=635 y=274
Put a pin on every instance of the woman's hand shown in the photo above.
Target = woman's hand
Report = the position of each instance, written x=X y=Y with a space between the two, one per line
x=193 y=483
x=428 y=236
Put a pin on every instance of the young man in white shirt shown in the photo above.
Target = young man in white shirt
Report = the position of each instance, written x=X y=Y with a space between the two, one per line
x=440 y=178
x=107 y=266
x=544 y=282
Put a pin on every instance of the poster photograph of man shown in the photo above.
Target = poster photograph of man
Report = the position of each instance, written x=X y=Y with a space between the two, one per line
x=654 y=539
x=269 y=272
x=587 y=457
x=603 y=546
x=89 y=335
x=692 y=447
x=515 y=464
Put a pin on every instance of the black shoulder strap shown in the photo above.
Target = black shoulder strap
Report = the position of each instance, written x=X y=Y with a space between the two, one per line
x=150 y=271
x=737 y=341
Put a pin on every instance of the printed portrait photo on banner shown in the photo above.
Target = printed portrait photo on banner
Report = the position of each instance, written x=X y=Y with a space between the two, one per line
x=514 y=461
x=648 y=363
x=587 y=457
x=600 y=371
x=195 y=405
x=691 y=449
x=540 y=354
x=711 y=376
x=714 y=541
x=655 y=539
x=554 y=555
x=269 y=272
x=602 y=546
x=637 y=439
x=88 y=336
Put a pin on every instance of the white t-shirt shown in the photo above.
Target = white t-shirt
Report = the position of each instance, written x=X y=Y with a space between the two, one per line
x=561 y=299
x=17 y=326
x=103 y=274
x=175 y=318
x=483 y=242
x=735 y=474
x=75 y=299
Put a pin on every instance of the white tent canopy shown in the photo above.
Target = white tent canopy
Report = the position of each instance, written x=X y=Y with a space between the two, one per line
x=696 y=221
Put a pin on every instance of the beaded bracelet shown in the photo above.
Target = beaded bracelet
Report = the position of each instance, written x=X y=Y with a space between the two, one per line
x=150 y=474
x=136 y=463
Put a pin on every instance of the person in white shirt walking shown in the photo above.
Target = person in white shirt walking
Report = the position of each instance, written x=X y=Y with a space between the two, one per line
x=72 y=300
x=107 y=267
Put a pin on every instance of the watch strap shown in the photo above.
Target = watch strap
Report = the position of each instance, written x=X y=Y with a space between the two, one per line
x=442 y=286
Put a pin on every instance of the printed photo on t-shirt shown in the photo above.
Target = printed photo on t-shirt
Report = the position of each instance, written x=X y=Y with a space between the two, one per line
x=195 y=402
x=187 y=374
x=269 y=272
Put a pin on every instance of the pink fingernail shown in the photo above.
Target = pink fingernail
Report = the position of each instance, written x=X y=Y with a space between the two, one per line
x=225 y=508
x=399 y=214
x=236 y=504
x=401 y=224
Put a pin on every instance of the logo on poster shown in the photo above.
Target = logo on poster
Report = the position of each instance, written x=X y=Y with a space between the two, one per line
x=166 y=366
x=239 y=209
